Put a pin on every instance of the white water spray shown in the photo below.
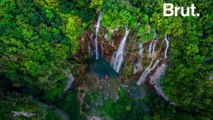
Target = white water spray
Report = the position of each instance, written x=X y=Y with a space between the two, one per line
x=154 y=80
x=138 y=65
x=167 y=46
x=142 y=79
x=69 y=83
x=145 y=73
x=117 y=58
x=98 y=24
x=150 y=49
x=152 y=45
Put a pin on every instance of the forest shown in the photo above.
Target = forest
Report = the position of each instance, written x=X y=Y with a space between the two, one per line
x=105 y=60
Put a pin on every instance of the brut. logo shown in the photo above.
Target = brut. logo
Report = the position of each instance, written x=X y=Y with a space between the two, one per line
x=170 y=10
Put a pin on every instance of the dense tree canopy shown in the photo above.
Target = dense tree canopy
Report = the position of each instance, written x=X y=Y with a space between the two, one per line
x=39 y=37
x=36 y=40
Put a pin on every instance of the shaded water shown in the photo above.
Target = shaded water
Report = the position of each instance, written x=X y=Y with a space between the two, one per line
x=101 y=68
x=103 y=75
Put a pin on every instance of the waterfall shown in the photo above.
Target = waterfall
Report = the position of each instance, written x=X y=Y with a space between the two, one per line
x=142 y=79
x=69 y=83
x=138 y=65
x=160 y=92
x=152 y=45
x=151 y=51
x=167 y=46
x=154 y=80
x=98 y=24
x=145 y=73
x=155 y=34
x=117 y=58
x=158 y=73
x=112 y=59
x=24 y=114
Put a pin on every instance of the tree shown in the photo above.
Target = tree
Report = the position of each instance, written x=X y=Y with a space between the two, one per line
x=35 y=42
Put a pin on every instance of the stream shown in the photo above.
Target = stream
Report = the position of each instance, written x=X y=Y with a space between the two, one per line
x=118 y=58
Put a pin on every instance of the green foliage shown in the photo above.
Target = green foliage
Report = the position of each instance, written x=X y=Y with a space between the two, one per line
x=126 y=108
x=187 y=79
x=38 y=36
x=20 y=103
x=161 y=110
x=70 y=104
x=151 y=107
x=36 y=40
x=118 y=13
x=97 y=4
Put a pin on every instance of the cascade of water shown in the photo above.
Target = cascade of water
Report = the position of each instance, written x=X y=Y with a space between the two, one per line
x=24 y=114
x=145 y=73
x=150 y=49
x=160 y=92
x=167 y=46
x=159 y=71
x=155 y=34
x=98 y=24
x=117 y=58
x=152 y=45
x=69 y=83
x=142 y=79
x=138 y=65
x=112 y=59
x=153 y=80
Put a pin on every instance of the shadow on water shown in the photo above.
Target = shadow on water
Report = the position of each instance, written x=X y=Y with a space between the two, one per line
x=101 y=68
x=105 y=76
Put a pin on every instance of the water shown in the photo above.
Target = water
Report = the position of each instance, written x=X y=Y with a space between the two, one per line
x=150 y=49
x=152 y=45
x=101 y=68
x=142 y=79
x=145 y=73
x=101 y=74
x=138 y=66
x=70 y=80
x=98 y=24
x=117 y=59
x=167 y=46
x=154 y=80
